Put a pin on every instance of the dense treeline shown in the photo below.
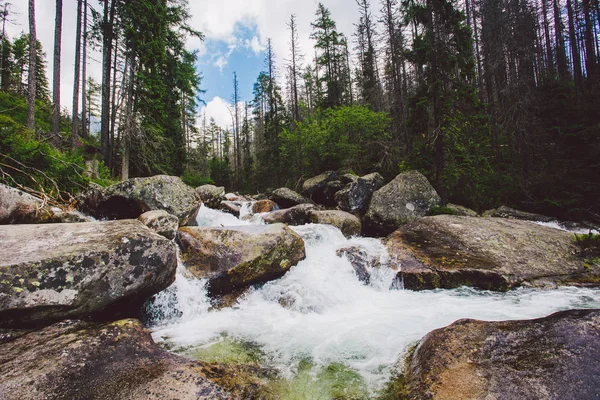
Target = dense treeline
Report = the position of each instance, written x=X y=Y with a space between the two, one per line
x=496 y=101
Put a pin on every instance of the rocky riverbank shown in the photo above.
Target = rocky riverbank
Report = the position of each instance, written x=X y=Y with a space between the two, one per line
x=71 y=293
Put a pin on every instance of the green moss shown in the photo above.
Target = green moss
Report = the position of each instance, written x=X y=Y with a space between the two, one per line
x=227 y=351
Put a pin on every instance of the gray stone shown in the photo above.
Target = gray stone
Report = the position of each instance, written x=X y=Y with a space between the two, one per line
x=286 y=198
x=233 y=258
x=448 y=251
x=133 y=197
x=230 y=207
x=211 y=195
x=360 y=260
x=18 y=207
x=462 y=211
x=317 y=189
x=356 y=196
x=406 y=198
x=297 y=215
x=82 y=360
x=51 y=272
x=161 y=222
x=557 y=357
x=507 y=212
x=346 y=222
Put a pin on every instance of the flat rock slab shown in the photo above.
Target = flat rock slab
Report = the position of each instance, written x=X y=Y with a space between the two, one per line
x=233 y=258
x=488 y=253
x=57 y=271
x=557 y=357
x=86 y=361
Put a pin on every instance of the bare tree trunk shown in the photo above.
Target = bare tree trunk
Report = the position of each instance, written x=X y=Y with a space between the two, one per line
x=113 y=115
x=128 y=120
x=56 y=72
x=84 y=124
x=236 y=131
x=31 y=79
x=107 y=49
x=561 y=57
x=74 y=130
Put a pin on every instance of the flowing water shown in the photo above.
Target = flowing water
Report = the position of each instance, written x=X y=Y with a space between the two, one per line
x=319 y=326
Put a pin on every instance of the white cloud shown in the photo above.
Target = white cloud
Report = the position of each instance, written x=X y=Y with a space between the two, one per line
x=255 y=45
x=218 y=109
x=221 y=62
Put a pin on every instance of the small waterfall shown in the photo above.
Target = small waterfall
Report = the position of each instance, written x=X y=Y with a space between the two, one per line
x=320 y=311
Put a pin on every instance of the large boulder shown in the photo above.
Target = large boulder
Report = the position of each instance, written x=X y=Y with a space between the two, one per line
x=133 y=197
x=234 y=258
x=297 y=215
x=83 y=360
x=356 y=196
x=322 y=188
x=346 y=222
x=211 y=195
x=161 y=222
x=507 y=212
x=449 y=251
x=557 y=357
x=56 y=271
x=18 y=207
x=286 y=198
x=406 y=198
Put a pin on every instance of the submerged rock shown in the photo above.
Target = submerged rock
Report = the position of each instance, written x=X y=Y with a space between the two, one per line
x=56 y=271
x=488 y=253
x=133 y=197
x=297 y=215
x=360 y=260
x=346 y=222
x=211 y=195
x=18 y=207
x=233 y=258
x=286 y=198
x=356 y=196
x=322 y=188
x=557 y=357
x=161 y=222
x=507 y=212
x=82 y=360
x=406 y=198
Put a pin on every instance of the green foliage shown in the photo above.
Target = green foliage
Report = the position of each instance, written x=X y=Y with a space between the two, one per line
x=220 y=172
x=350 y=137
x=195 y=180
x=589 y=244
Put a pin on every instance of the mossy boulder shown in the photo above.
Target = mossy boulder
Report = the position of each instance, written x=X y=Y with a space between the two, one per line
x=99 y=361
x=346 y=222
x=161 y=222
x=211 y=195
x=511 y=213
x=557 y=357
x=52 y=272
x=408 y=197
x=356 y=196
x=286 y=198
x=448 y=251
x=133 y=197
x=234 y=258
x=461 y=210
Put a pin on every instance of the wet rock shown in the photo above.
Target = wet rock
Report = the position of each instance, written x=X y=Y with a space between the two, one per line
x=360 y=260
x=346 y=222
x=51 y=272
x=83 y=360
x=211 y=195
x=462 y=211
x=237 y=257
x=161 y=222
x=356 y=196
x=449 y=251
x=297 y=215
x=348 y=178
x=507 y=212
x=286 y=198
x=406 y=198
x=18 y=207
x=263 y=206
x=235 y=197
x=318 y=190
x=133 y=197
x=231 y=207
x=557 y=357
